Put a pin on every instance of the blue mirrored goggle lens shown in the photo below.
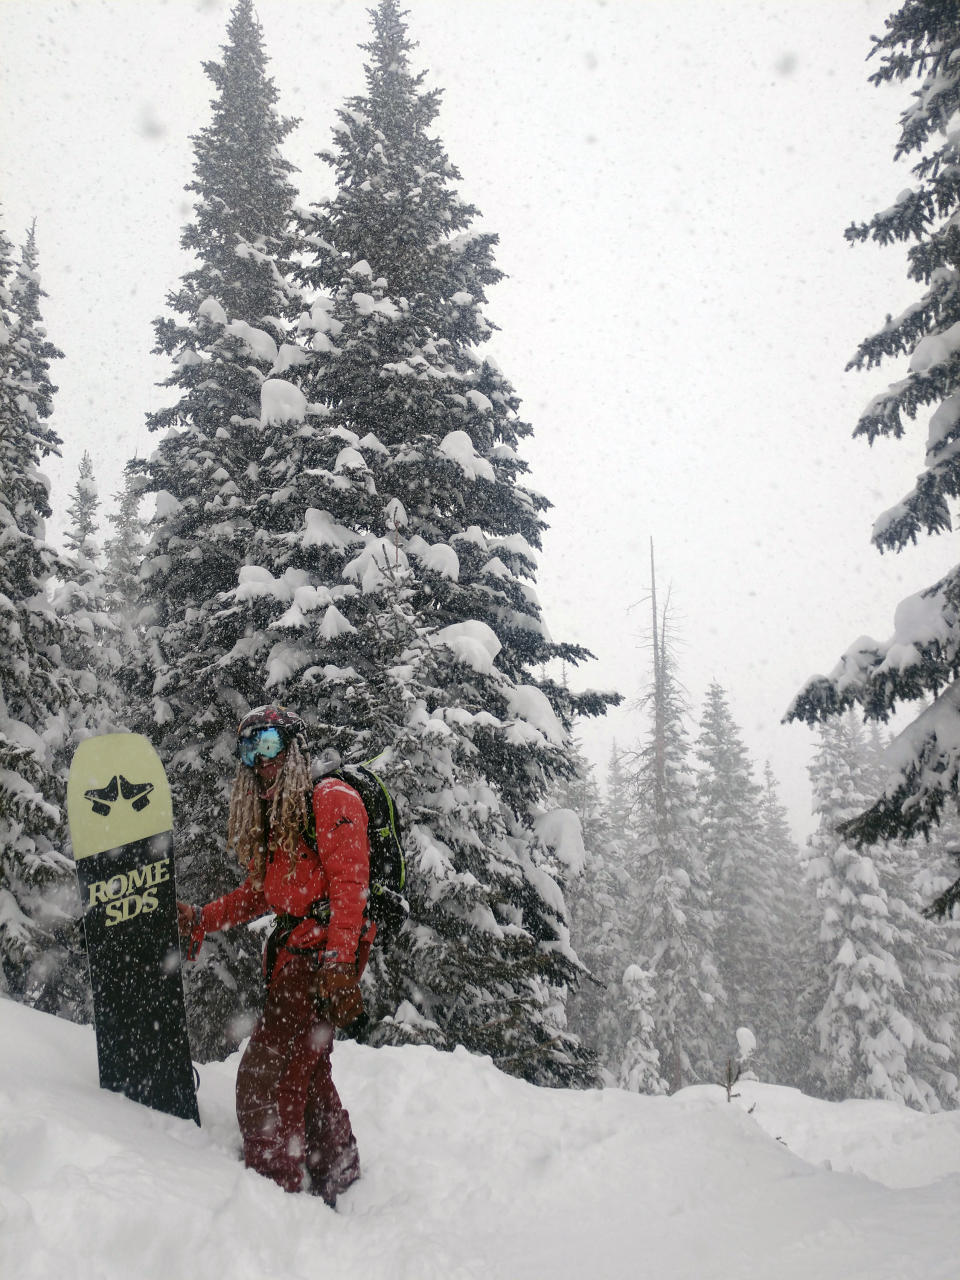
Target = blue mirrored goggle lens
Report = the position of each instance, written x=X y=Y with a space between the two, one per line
x=262 y=742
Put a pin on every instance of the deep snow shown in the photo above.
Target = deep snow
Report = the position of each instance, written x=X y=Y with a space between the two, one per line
x=468 y=1173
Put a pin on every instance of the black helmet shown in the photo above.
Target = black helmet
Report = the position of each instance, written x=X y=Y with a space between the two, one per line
x=286 y=722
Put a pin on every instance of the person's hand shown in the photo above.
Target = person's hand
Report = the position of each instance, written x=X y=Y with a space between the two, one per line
x=338 y=987
x=186 y=918
x=190 y=926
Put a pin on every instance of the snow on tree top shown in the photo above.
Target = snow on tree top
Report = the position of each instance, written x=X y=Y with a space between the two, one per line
x=281 y=402
x=889 y=519
x=322 y=318
x=254 y=253
x=479 y=400
x=394 y=513
x=516 y=543
x=369 y=567
x=370 y=441
x=561 y=831
x=167 y=504
x=210 y=309
x=942 y=424
x=350 y=460
x=458 y=447
x=920 y=620
x=473 y=533
x=289 y=356
x=293 y=619
x=284 y=662
x=260 y=343
x=473 y=642
x=442 y=559
x=496 y=568
x=187 y=356
x=321 y=530
x=935 y=348
x=366 y=304
x=255 y=582
x=531 y=704
x=334 y=624
x=940 y=722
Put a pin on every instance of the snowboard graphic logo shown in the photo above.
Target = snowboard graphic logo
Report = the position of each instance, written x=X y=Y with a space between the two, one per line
x=103 y=798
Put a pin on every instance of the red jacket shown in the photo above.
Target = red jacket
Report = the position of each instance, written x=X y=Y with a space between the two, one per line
x=337 y=871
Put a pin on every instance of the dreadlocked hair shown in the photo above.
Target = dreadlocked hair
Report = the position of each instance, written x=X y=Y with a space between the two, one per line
x=253 y=832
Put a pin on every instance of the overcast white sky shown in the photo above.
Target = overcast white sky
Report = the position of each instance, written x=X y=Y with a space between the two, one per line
x=670 y=182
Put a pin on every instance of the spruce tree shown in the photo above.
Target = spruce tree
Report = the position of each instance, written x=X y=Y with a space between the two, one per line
x=123 y=552
x=590 y=922
x=92 y=651
x=640 y=1063
x=39 y=945
x=488 y=958
x=225 y=339
x=744 y=882
x=398 y=285
x=405 y=477
x=788 y=926
x=674 y=925
x=601 y=913
x=876 y=997
x=80 y=535
x=922 y=657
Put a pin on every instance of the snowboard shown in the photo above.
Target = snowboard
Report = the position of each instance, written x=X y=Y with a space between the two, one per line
x=121 y=827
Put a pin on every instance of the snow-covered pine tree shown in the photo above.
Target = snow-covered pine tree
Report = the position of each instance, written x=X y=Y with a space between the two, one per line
x=640 y=1062
x=922 y=657
x=413 y=463
x=743 y=882
x=590 y=924
x=225 y=339
x=80 y=534
x=674 y=925
x=601 y=909
x=876 y=995
x=619 y=807
x=488 y=957
x=39 y=961
x=92 y=651
x=790 y=926
x=396 y=325
x=123 y=552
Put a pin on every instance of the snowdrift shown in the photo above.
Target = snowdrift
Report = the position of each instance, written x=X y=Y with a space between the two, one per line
x=468 y=1175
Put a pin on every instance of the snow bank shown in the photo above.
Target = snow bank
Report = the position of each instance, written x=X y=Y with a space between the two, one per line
x=468 y=1175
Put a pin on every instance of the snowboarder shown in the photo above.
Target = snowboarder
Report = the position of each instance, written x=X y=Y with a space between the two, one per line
x=294 y=1127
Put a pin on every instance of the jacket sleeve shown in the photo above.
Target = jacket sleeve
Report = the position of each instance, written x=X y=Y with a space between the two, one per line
x=237 y=907
x=345 y=853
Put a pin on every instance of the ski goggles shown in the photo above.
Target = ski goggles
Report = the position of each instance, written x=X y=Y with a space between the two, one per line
x=266 y=743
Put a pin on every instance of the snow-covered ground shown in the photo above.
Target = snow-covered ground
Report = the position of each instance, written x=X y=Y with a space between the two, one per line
x=468 y=1174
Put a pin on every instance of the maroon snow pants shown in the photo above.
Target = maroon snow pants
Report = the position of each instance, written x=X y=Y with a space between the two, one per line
x=295 y=1129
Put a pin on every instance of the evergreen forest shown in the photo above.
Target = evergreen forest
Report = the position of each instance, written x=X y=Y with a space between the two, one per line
x=333 y=512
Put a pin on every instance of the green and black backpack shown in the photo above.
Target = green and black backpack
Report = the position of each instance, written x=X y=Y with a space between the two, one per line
x=386 y=906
